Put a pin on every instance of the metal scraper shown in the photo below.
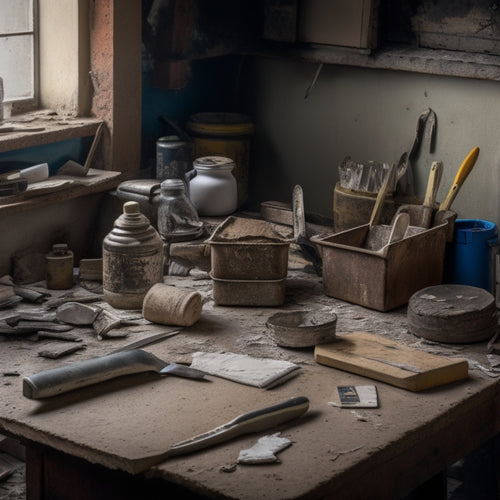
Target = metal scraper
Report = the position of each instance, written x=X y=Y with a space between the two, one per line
x=254 y=421
x=92 y=371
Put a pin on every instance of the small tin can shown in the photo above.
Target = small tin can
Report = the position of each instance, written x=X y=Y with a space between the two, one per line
x=59 y=267
x=173 y=158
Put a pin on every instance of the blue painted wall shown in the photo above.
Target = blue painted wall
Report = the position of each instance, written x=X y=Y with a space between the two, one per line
x=213 y=86
x=55 y=155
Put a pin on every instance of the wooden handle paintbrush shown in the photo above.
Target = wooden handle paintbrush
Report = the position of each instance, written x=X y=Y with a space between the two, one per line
x=462 y=174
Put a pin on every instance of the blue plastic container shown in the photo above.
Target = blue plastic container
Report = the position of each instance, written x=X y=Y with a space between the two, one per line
x=470 y=258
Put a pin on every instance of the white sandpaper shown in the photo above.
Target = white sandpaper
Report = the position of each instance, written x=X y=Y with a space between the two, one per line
x=244 y=369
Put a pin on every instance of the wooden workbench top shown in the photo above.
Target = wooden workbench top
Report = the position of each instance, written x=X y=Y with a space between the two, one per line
x=411 y=436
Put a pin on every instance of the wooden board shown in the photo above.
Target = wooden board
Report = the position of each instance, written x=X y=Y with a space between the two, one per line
x=382 y=359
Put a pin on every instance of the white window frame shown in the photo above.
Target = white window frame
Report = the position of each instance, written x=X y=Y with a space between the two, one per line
x=61 y=59
x=20 y=105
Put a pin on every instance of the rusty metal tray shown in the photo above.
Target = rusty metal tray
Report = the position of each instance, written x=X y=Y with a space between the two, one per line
x=249 y=249
x=248 y=292
x=381 y=281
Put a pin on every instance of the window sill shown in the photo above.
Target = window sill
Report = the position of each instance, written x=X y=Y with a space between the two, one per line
x=43 y=127
x=96 y=181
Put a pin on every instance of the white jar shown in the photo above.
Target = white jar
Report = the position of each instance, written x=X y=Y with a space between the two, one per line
x=213 y=190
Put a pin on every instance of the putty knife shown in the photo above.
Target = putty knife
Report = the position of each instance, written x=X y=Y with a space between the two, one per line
x=254 y=421
x=92 y=371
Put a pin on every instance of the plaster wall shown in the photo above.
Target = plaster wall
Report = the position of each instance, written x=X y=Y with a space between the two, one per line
x=72 y=222
x=369 y=115
x=64 y=62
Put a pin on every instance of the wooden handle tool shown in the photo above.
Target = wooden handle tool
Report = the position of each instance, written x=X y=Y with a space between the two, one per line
x=462 y=174
x=433 y=183
x=424 y=215
x=384 y=190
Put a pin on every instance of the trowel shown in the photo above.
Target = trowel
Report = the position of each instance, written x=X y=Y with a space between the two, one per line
x=66 y=378
x=72 y=167
x=378 y=234
x=300 y=231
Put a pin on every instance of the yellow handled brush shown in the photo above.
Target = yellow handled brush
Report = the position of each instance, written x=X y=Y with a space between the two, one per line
x=462 y=174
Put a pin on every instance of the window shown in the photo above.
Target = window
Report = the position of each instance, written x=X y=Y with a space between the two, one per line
x=18 y=52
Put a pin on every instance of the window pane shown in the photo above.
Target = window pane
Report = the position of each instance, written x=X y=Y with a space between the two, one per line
x=16 y=16
x=17 y=72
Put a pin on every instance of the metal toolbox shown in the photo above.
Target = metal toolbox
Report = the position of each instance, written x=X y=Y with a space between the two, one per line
x=380 y=280
x=248 y=249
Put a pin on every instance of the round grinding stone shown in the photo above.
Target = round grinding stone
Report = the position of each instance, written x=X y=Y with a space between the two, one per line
x=455 y=314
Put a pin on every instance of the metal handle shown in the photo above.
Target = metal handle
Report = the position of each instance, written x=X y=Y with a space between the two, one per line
x=91 y=371
x=253 y=421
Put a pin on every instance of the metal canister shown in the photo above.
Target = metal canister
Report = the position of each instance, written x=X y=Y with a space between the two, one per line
x=133 y=259
x=59 y=267
x=173 y=158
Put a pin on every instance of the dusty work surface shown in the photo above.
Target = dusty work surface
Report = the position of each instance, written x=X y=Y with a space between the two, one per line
x=121 y=422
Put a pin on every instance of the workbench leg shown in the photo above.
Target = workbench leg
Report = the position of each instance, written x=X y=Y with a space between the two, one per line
x=496 y=463
x=34 y=473
x=479 y=473
x=433 y=489
x=54 y=475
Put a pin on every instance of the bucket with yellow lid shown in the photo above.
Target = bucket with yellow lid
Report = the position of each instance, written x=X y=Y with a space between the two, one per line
x=228 y=135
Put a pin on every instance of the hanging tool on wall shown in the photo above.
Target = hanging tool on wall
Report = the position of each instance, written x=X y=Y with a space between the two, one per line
x=426 y=129
x=314 y=80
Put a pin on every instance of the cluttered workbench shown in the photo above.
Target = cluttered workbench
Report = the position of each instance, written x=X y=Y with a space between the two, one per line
x=97 y=441
x=124 y=382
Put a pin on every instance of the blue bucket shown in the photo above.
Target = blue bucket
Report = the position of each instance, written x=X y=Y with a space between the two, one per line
x=470 y=259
